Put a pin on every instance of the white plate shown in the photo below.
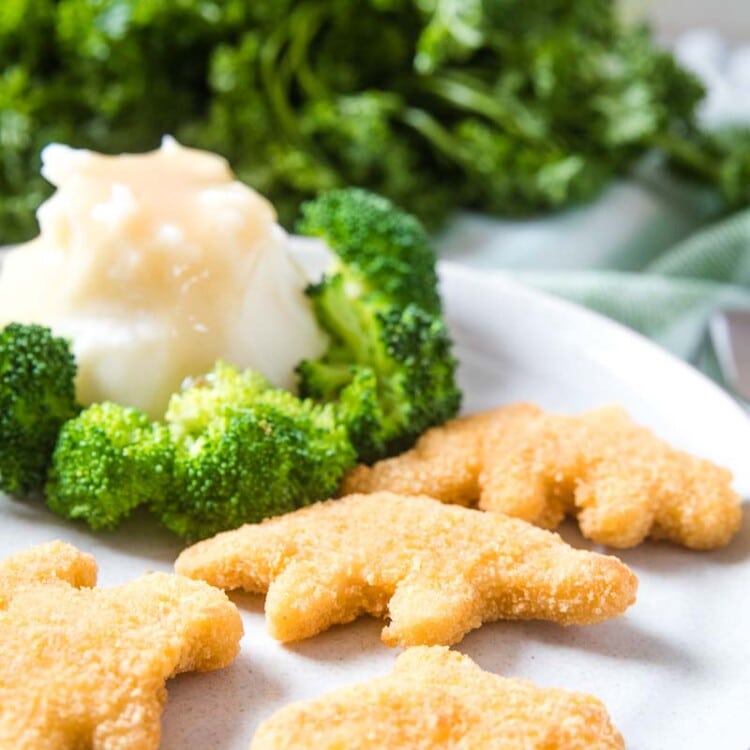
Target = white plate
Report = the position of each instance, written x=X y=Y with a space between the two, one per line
x=674 y=671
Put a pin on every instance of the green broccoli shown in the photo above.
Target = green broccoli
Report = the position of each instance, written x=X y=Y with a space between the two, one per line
x=245 y=451
x=389 y=368
x=378 y=247
x=358 y=406
x=37 y=394
x=109 y=460
x=394 y=364
x=231 y=450
x=211 y=396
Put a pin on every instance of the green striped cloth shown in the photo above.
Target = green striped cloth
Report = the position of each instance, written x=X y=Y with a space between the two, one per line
x=670 y=299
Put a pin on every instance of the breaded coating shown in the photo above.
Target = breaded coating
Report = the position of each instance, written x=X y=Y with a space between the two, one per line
x=84 y=667
x=436 y=699
x=53 y=562
x=621 y=482
x=444 y=463
x=436 y=571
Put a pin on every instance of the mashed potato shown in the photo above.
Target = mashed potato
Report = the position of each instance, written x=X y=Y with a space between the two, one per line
x=156 y=265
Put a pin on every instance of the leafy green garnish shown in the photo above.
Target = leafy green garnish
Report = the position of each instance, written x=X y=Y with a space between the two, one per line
x=506 y=106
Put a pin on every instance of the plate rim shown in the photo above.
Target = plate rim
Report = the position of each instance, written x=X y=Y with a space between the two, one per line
x=505 y=281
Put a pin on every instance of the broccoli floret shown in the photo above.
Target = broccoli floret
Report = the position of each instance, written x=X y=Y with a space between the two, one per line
x=109 y=460
x=399 y=357
x=388 y=370
x=357 y=405
x=37 y=394
x=210 y=396
x=232 y=450
x=243 y=453
x=359 y=409
x=379 y=247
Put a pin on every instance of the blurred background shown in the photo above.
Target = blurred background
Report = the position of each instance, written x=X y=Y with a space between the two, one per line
x=542 y=138
x=671 y=18
x=652 y=253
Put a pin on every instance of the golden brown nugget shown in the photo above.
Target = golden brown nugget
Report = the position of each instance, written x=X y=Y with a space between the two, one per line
x=617 y=477
x=436 y=699
x=436 y=571
x=82 y=667
x=444 y=463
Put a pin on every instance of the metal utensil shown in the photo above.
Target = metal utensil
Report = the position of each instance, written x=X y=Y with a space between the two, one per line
x=729 y=331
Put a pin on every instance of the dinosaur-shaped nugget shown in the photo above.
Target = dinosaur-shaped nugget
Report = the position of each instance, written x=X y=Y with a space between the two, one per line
x=617 y=478
x=441 y=700
x=436 y=571
x=83 y=667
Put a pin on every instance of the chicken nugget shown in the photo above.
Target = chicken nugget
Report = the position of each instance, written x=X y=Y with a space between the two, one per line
x=436 y=571
x=621 y=482
x=445 y=463
x=439 y=699
x=83 y=667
